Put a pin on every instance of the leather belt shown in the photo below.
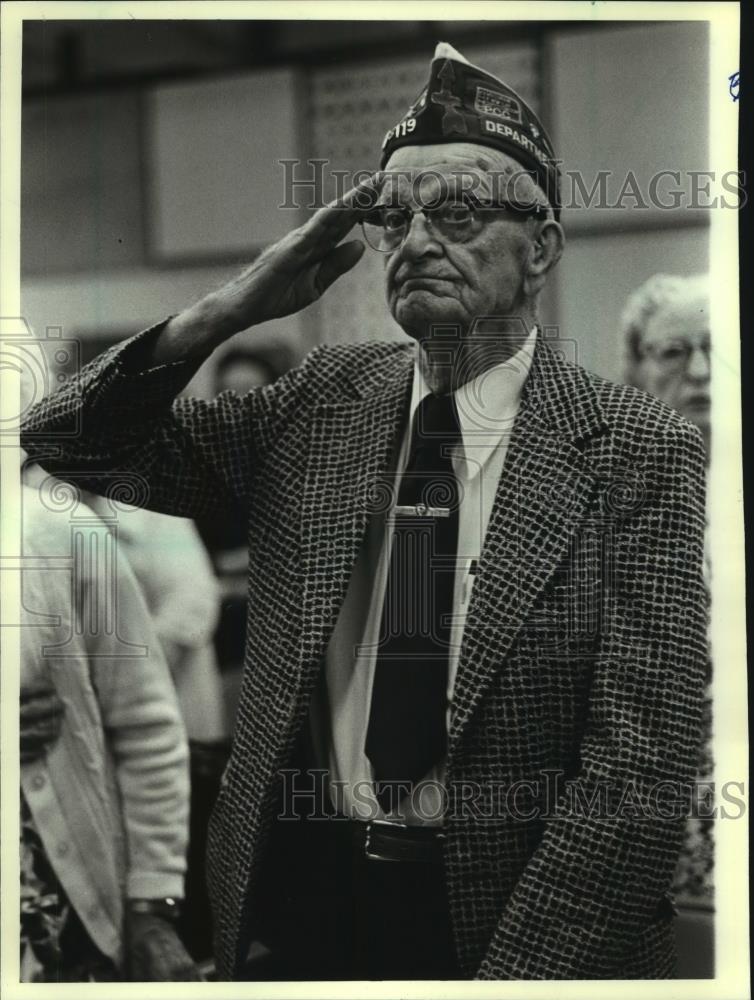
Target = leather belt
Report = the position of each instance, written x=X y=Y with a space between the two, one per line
x=385 y=841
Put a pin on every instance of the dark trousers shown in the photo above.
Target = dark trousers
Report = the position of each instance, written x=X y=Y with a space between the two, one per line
x=328 y=912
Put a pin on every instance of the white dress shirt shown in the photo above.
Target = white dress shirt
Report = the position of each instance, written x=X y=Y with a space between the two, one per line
x=487 y=407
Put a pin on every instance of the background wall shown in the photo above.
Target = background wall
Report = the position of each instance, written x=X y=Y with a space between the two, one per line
x=151 y=159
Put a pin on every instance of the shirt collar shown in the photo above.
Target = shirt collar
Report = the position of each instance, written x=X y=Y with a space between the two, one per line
x=487 y=405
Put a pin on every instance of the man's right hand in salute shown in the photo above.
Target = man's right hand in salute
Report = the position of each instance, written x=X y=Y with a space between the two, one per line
x=284 y=279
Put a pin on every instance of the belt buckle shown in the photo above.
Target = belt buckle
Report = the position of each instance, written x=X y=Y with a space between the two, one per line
x=370 y=853
x=373 y=854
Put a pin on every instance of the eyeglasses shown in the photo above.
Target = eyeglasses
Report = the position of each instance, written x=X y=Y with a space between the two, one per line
x=675 y=355
x=387 y=226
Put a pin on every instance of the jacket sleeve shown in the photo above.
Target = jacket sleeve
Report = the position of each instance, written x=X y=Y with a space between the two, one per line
x=144 y=730
x=599 y=874
x=117 y=428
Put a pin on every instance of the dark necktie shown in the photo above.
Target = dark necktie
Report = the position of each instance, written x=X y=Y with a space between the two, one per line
x=407 y=732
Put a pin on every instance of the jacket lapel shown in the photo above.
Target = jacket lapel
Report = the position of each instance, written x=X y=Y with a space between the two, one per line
x=350 y=449
x=542 y=494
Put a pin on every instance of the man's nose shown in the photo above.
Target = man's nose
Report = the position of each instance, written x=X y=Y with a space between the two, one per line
x=420 y=240
x=699 y=364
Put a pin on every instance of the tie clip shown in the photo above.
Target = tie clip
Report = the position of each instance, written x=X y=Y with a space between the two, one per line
x=421 y=510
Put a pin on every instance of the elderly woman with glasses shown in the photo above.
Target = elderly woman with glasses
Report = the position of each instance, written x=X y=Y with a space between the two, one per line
x=667 y=342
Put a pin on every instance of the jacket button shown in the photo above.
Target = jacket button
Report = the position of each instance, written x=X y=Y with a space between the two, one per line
x=63 y=849
x=38 y=781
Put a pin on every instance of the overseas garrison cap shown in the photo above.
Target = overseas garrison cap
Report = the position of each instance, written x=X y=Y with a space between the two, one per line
x=463 y=103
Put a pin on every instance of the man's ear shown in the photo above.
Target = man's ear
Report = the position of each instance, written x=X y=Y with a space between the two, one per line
x=544 y=253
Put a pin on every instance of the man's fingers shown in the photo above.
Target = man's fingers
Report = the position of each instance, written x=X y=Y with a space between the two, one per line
x=326 y=228
x=334 y=220
x=337 y=262
x=362 y=196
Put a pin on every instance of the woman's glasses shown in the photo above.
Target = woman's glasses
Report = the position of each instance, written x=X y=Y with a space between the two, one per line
x=675 y=355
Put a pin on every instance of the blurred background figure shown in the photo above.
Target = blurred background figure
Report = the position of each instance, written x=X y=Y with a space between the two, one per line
x=174 y=575
x=239 y=369
x=666 y=335
x=104 y=765
x=242 y=368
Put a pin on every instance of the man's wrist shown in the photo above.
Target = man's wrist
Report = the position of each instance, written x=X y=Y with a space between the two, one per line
x=193 y=334
x=169 y=908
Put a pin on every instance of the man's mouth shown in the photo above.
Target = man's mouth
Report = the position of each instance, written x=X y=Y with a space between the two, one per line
x=424 y=283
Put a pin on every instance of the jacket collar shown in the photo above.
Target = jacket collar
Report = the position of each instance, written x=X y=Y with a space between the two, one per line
x=561 y=395
x=557 y=393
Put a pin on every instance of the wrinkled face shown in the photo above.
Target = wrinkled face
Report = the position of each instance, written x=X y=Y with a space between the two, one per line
x=431 y=280
x=676 y=364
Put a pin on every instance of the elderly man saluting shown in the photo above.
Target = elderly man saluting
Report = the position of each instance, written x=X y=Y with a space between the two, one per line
x=476 y=636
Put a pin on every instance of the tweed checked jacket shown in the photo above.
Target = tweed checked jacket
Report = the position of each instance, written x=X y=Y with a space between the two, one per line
x=583 y=658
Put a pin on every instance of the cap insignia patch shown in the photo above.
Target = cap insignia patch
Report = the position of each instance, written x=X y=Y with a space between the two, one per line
x=490 y=102
x=452 y=120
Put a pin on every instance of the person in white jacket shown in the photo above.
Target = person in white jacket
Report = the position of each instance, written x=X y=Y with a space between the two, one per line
x=176 y=578
x=104 y=763
x=178 y=582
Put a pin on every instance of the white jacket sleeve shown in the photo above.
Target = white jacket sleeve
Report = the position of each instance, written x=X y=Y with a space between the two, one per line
x=175 y=573
x=144 y=729
x=188 y=608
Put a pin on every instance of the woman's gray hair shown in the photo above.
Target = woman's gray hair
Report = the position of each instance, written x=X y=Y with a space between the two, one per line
x=655 y=294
